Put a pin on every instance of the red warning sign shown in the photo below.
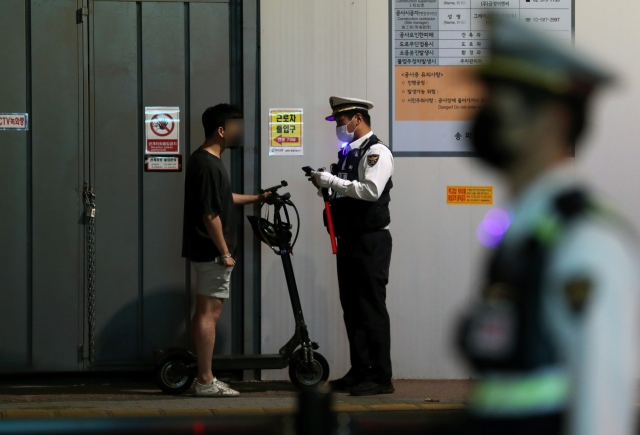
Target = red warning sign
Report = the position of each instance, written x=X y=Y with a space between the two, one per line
x=162 y=130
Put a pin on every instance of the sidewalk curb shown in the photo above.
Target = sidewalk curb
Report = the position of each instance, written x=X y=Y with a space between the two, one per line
x=204 y=412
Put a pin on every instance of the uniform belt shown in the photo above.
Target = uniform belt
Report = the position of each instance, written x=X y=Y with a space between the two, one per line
x=523 y=394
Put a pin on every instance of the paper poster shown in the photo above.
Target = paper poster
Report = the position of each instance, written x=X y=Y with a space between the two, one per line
x=163 y=163
x=437 y=44
x=474 y=195
x=162 y=130
x=285 y=132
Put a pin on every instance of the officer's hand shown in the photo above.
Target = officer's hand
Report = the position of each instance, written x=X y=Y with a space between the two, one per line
x=313 y=179
x=228 y=262
x=323 y=179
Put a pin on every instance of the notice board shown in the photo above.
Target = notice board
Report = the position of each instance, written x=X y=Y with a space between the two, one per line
x=434 y=47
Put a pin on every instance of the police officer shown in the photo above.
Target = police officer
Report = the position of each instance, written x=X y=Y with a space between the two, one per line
x=553 y=334
x=359 y=186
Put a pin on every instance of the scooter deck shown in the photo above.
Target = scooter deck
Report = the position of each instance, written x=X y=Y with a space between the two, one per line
x=248 y=362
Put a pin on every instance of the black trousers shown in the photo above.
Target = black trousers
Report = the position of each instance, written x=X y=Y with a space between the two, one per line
x=363 y=274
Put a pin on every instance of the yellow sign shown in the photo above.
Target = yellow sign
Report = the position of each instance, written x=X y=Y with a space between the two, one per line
x=285 y=132
x=474 y=195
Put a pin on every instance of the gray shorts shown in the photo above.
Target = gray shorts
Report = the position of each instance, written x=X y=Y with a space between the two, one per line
x=212 y=279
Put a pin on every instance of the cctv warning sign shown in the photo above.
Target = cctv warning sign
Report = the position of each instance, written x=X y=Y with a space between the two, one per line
x=162 y=130
x=14 y=121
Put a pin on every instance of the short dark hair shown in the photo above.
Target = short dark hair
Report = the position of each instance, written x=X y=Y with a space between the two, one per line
x=365 y=115
x=214 y=117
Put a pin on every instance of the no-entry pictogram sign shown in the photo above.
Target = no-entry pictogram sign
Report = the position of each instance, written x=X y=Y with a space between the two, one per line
x=162 y=130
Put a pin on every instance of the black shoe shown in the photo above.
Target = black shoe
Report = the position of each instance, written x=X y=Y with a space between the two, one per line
x=349 y=380
x=371 y=388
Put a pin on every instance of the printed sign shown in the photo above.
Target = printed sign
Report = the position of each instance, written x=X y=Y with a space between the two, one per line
x=14 y=121
x=473 y=195
x=162 y=130
x=163 y=163
x=285 y=132
x=436 y=49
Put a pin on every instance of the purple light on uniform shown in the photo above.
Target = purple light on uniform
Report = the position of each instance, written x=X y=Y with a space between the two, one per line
x=493 y=227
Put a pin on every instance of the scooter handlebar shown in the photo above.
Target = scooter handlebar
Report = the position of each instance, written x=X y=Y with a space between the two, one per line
x=274 y=189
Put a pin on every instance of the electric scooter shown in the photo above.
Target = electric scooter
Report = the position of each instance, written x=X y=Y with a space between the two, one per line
x=176 y=368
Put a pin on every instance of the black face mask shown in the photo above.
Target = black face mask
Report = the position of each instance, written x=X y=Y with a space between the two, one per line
x=486 y=140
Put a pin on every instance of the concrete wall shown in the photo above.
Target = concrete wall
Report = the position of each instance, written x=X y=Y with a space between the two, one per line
x=314 y=49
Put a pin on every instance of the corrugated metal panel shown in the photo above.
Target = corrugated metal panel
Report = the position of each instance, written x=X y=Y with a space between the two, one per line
x=14 y=273
x=115 y=133
x=209 y=67
x=57 y=207
x=163 y=273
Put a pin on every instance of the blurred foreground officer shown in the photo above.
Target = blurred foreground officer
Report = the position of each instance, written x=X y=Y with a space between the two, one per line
x=553 y=337
x=360 y=183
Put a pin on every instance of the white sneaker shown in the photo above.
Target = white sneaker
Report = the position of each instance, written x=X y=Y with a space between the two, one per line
x=222 y=383
x=193 y=385
x=215 y=389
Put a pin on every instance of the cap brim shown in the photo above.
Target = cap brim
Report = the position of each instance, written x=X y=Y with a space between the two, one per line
x=330 y=118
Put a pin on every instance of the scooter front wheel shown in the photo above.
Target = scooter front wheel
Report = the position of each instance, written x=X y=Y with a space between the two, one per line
x=173 y=376
x=307 y=375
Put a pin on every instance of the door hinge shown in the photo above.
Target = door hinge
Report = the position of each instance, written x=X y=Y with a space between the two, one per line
x=80 y=14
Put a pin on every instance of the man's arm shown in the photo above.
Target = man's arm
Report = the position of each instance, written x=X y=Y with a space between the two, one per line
x=240 y=199
x=213 y=224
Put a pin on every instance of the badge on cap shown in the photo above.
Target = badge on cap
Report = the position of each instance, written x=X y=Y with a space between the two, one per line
x=578 y=293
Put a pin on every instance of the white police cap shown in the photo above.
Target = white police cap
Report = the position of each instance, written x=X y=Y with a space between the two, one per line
x=344 y=104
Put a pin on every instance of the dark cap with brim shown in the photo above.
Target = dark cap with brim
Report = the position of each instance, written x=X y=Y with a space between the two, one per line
x=522 y=55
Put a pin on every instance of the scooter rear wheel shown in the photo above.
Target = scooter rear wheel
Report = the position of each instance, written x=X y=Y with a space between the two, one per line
x=304 y=375
x=173 y=376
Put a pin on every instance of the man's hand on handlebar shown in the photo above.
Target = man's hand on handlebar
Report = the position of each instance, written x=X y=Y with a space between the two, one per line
x=263 y=196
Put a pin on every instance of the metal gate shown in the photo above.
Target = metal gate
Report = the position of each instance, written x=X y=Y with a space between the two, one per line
x=147 y=54
x=85 y=70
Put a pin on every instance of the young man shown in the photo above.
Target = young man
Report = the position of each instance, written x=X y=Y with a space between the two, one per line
x=209 y=234
x=553 y=337
x=361 y=183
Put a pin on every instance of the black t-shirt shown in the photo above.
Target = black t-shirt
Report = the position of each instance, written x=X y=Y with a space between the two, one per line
x=207 y=190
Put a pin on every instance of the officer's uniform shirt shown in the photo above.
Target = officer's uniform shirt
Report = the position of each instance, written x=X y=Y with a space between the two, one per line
x=372 y=179
x=598 y=343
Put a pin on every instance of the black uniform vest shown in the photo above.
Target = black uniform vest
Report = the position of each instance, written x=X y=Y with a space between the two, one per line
x=352 y=217
x=505 y=331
